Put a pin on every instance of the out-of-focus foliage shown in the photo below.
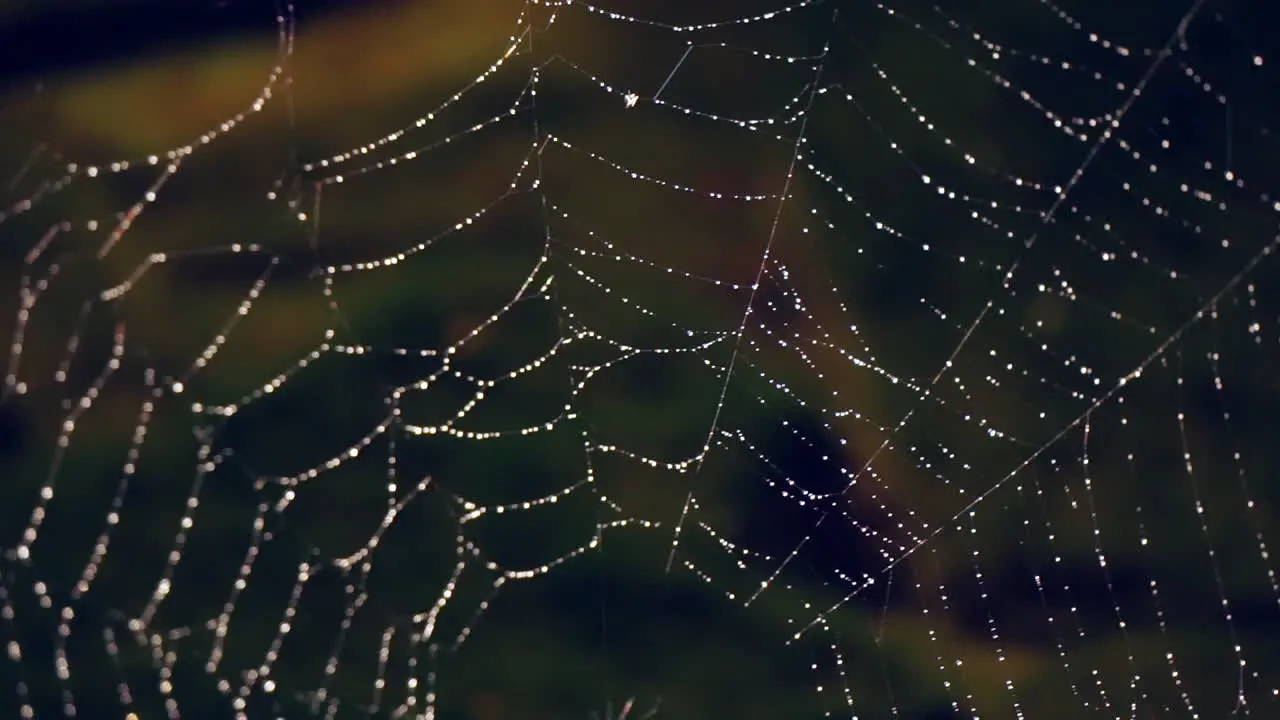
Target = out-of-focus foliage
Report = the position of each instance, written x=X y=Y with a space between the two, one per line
x=614 y=623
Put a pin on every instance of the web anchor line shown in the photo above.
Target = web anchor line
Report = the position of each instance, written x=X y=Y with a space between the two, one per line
x=1178 y=37
x=1131 y=376
x=755 y=287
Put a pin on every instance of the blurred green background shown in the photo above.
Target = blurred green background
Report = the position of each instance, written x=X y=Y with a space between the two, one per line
x=1074 y=589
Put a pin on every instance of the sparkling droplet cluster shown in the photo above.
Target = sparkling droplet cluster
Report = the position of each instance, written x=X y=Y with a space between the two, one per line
x=1012 y=436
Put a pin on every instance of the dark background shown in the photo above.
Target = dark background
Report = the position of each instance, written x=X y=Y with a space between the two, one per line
x=1108 y=525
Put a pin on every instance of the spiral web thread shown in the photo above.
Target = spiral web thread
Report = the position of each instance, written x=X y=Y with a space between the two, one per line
x=1093 y=343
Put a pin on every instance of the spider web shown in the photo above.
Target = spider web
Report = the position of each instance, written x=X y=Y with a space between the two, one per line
x=735 y=360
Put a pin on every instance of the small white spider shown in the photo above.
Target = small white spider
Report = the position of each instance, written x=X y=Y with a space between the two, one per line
x=626 y=712
x=631 y=99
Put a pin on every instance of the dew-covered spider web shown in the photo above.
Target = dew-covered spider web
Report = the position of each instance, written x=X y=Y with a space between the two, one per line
x=664 y=359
